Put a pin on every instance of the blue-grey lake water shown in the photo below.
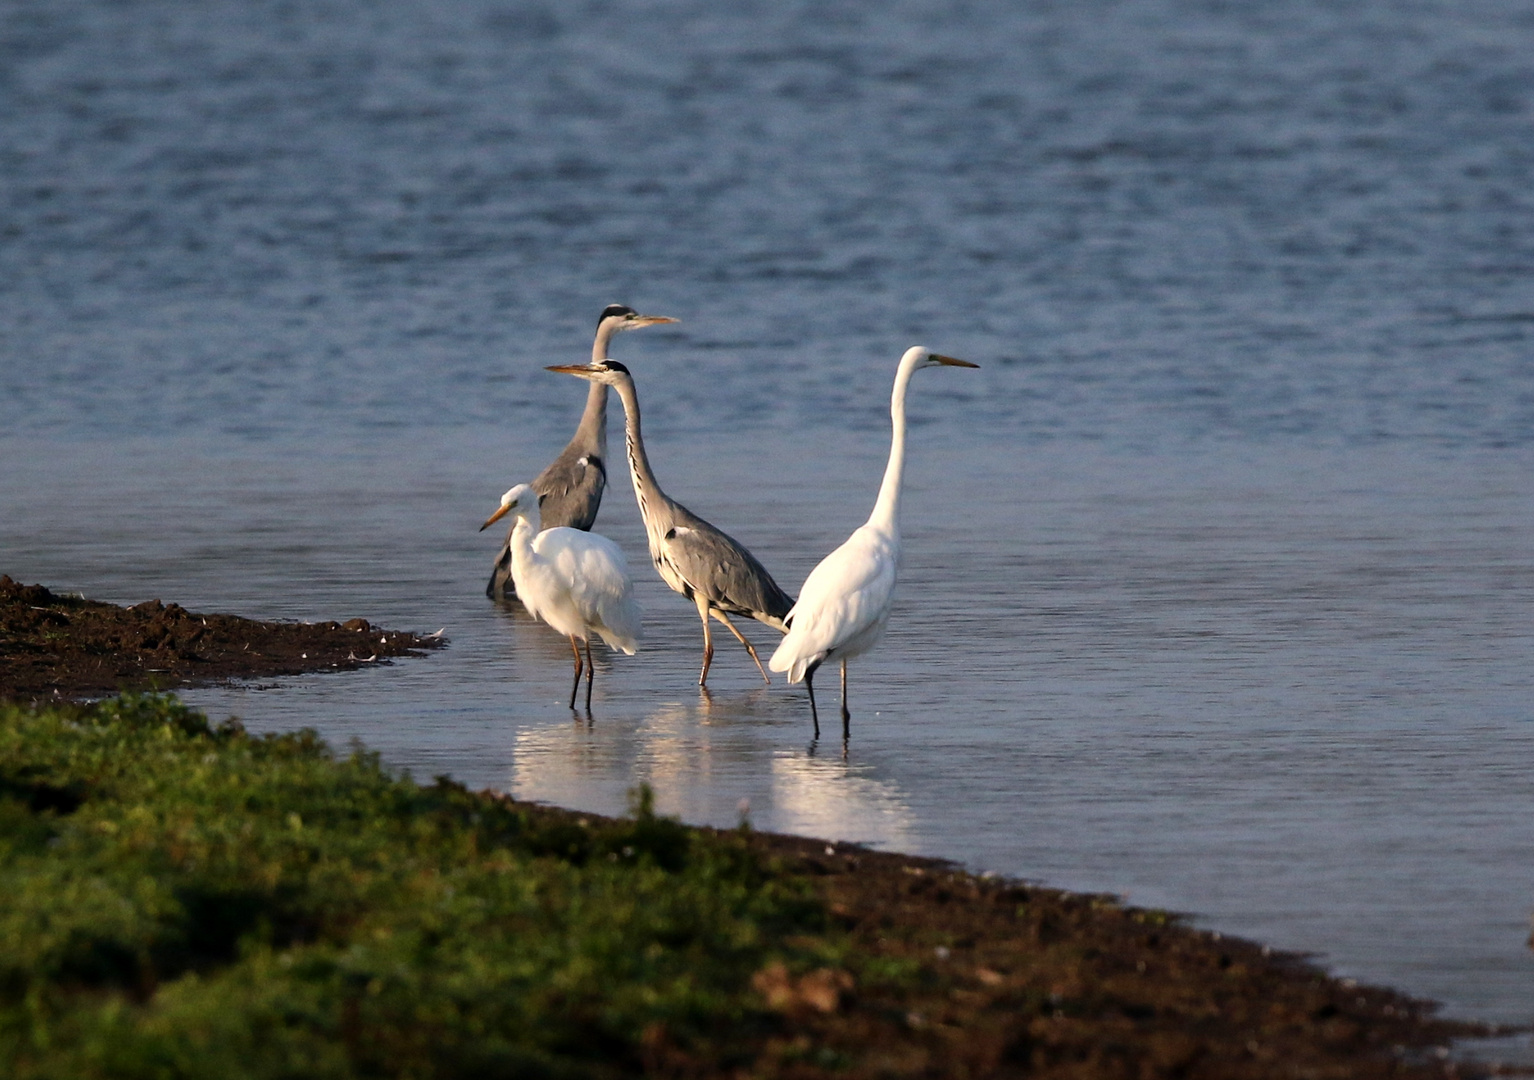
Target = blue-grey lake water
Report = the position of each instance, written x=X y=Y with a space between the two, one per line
x=1219 y=572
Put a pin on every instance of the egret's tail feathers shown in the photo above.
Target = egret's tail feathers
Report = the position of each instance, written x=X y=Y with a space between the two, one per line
x=628 y=644
x=796 y=666
x=626 y=629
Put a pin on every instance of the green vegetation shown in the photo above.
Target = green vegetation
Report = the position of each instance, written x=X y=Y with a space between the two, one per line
x=182 y=900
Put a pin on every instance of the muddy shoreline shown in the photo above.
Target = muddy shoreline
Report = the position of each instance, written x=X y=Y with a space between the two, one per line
x=65 y=648
x=1016 y=979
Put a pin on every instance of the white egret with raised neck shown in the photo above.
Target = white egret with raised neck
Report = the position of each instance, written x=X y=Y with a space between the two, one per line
x=844 y=605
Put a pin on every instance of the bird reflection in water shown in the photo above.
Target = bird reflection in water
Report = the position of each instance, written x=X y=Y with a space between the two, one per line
x=701 y=757
x=835 y=800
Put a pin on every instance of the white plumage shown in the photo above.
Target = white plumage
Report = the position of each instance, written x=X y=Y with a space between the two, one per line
x=844 y=605
x=576 y=582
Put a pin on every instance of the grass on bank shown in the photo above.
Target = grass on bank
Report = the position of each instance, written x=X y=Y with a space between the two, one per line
x=184 y=900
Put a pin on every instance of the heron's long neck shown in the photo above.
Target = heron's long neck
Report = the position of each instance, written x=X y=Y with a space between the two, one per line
x=591 y=433
x=886 y=515
x=592 y=430
x=646 y=490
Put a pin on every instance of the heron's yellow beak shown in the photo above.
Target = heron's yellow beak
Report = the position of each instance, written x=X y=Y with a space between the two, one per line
x=582 y=371
x=952 y=361
x=493 y=518
x=651 y=320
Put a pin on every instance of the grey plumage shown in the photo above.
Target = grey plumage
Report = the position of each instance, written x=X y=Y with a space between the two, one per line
x=705 y=565
x=570 y=489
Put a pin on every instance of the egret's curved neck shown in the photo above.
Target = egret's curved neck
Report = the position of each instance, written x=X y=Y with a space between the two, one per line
x=886 y=515
x=646 y=490
x=521 y=539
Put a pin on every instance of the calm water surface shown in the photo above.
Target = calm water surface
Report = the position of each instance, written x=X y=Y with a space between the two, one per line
x=1219 y=571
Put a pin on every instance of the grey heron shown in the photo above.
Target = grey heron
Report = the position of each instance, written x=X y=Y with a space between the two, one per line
x=575 y=581
x=570 y=489
x=844 y=605
x=706 y=566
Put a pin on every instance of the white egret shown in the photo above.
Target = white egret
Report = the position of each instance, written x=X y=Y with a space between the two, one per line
x=845 y=602
x=575 y=581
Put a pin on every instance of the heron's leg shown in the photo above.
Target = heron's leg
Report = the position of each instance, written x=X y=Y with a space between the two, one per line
x=708 y=637
x=591 y=669
x=809 y=684
x=846 y=716
x=576 y=649
x=722 y=617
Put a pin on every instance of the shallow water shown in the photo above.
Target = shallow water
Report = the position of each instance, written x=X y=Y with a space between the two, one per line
x=1218 y=573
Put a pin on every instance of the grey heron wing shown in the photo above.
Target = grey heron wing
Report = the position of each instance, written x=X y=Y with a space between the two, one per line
x=500 y=585
x=725 y=572
x=570 y=490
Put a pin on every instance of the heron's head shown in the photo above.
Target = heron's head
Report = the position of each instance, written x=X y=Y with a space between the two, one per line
x=523 y=500
x=919 y=356
x=606 y=372
x=617 y=317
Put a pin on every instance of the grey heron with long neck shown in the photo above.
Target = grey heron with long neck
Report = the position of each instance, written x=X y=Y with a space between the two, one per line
x=570 y=489
x=702 y=563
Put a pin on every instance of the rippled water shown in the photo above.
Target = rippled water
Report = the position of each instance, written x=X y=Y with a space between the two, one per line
x=1219 y=571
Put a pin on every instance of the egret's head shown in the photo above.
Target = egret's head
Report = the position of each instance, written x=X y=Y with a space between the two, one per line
x=522 y=500
x=919 y=356
x=606 y=372
x=617 y=317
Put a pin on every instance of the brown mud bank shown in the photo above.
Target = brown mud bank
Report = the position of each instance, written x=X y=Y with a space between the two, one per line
x=985 y=977
x=956 y=975
x=65 y=648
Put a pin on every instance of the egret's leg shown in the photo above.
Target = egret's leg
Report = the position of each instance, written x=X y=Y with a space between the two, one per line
x=591 y=670
x=576 y=685
x=708 y=637
x=846 y=716
x=722 y=617
x=809 y=684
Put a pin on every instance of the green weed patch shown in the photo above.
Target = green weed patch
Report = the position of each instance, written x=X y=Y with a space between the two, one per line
x=183 y=900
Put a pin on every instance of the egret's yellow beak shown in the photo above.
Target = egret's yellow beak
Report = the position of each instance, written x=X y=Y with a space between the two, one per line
x=493 y=518
x=952 y=361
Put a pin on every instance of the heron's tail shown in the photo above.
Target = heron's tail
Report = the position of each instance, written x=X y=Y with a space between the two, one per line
x=778 y=623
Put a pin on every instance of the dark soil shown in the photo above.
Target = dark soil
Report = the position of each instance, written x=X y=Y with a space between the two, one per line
x=1017 y=980
x=64 y=648
x=980 y=977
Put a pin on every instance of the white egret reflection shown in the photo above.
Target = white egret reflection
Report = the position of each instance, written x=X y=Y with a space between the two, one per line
x=827 y=797
x=702 y=758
